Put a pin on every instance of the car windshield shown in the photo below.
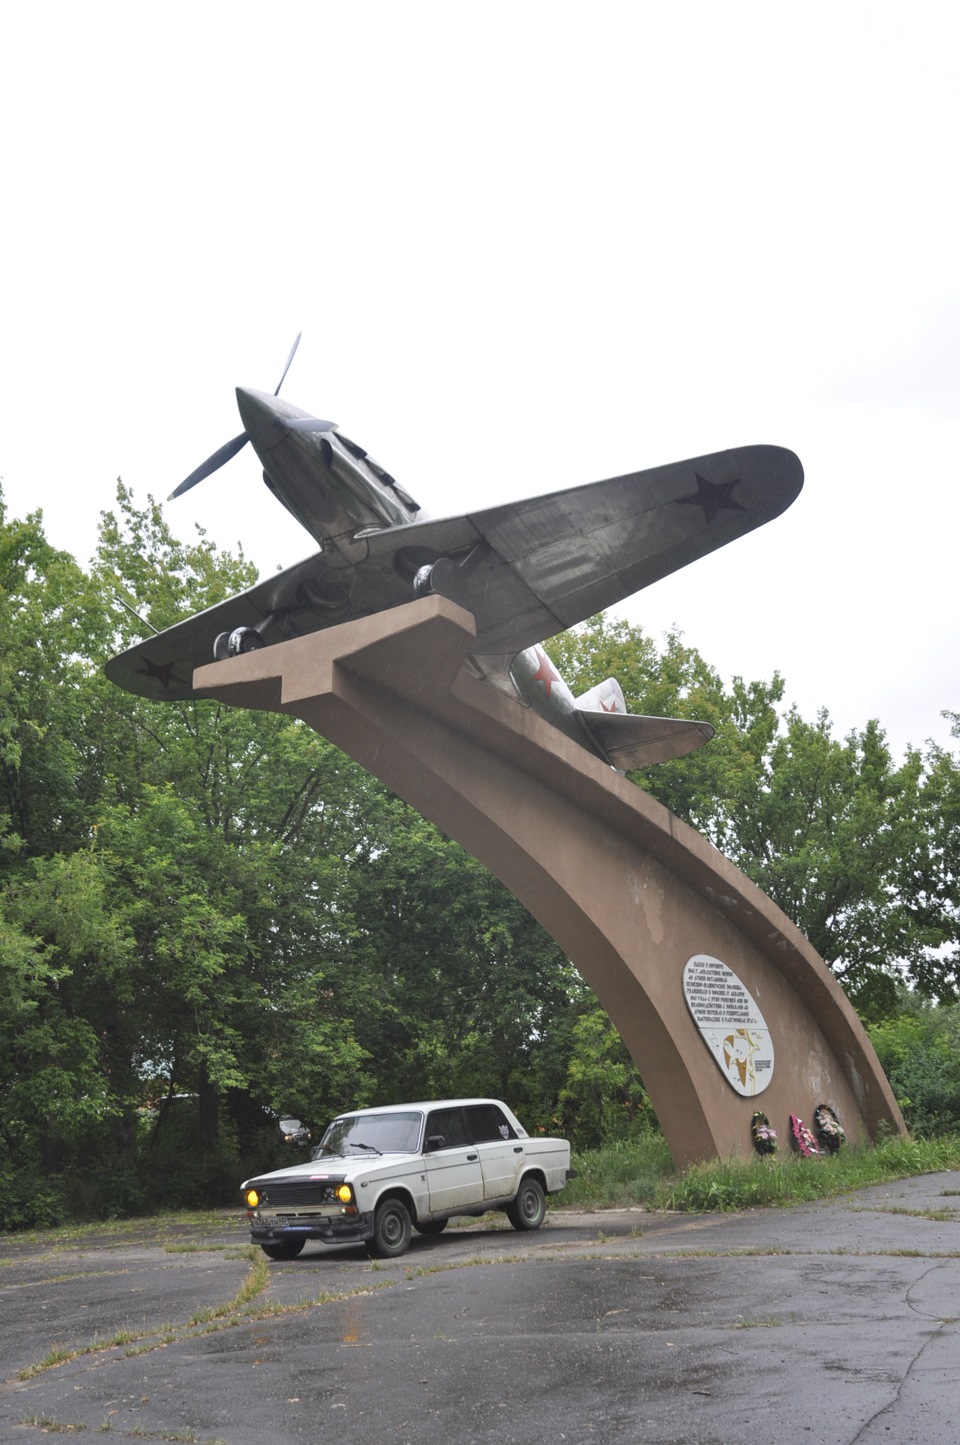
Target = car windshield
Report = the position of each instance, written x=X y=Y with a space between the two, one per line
x=372 y=1133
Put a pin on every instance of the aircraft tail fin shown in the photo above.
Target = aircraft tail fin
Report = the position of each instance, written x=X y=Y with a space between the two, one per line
x=607 y=696
x=629 y=741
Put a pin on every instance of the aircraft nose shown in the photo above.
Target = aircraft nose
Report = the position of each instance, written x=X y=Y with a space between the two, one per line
x=268 y=420
x=258 y=412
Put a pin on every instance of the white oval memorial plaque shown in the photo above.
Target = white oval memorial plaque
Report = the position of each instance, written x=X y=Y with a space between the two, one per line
x=730 y=1023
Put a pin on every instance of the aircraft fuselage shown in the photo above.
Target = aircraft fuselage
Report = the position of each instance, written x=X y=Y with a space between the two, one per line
x=338 y=493
x=333 y=488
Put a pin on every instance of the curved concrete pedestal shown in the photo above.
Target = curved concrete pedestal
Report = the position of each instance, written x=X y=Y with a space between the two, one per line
x=628 y=891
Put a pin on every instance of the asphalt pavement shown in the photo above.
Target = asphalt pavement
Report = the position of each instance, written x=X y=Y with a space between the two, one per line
x=833 y=1323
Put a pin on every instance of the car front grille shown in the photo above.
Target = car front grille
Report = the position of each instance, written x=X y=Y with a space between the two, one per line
x=294 y=1194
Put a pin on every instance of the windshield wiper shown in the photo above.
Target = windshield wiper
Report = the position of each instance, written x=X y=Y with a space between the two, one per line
x=355 y=1144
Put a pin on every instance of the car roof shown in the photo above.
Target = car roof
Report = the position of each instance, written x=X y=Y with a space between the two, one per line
x=418 y=1104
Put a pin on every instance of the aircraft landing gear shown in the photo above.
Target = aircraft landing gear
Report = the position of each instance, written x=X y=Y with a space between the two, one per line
x=421 y=581
x=232 y=644
x=448 y=576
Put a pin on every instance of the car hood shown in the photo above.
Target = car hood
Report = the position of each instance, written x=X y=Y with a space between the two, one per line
x=348 y=1167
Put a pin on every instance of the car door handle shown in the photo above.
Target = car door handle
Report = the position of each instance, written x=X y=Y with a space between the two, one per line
x=472 y=1157
x=518 y=1148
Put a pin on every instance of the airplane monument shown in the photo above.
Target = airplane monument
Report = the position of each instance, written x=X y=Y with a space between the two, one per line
x=415 y=645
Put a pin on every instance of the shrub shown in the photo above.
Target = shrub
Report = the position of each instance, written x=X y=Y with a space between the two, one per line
x=919 y=1051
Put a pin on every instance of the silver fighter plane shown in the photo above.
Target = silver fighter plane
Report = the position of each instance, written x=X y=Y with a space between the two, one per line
x=525 y=570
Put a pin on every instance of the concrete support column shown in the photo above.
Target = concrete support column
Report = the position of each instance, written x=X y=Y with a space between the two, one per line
x=628 y=891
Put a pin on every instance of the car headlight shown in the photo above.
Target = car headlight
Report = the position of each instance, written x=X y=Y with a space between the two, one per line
x=345 y=1194
x=252 y=1198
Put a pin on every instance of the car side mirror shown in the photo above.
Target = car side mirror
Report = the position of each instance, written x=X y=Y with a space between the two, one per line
x=435 y=1141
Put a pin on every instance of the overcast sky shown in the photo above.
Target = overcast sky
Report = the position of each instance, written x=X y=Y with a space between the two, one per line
x=529 y=245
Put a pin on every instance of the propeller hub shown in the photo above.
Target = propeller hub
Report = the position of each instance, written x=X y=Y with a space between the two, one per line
x=259 y=412
x=263 y=416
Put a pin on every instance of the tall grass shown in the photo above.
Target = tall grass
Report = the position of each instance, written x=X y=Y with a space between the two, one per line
x=641 y=1174
x=619 y=1175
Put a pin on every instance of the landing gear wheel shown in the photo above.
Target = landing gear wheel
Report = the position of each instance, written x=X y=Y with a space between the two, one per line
x=431 y=1226
x=421 y=582
x=243 y=639
x=529 y=1208
x=283 y=1249
x=232 y=644
x=391 y=1230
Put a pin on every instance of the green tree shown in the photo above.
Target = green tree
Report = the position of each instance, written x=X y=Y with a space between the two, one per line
x=929 y=876
x=44 y=628
x=602 y=1099
x=919 y=1049
x=172 y=894
x=463 y=987
x=823 y=827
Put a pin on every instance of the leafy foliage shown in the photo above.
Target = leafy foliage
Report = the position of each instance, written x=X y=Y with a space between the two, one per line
x=919 y=1049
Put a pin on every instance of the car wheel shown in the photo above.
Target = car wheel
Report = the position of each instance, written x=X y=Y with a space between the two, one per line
x=431 y=1226
x=529 y=1208
x=283 y=1249
x=391 y=1230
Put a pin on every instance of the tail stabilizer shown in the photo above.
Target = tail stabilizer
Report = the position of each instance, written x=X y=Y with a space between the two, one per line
x=628 y=741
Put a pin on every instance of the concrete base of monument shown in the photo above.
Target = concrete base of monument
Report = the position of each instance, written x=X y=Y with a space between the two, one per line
x=631 y=894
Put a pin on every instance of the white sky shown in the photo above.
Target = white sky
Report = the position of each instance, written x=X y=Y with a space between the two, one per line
x=530 y=244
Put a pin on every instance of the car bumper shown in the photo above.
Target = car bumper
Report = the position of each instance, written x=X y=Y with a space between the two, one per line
x=336 y=1229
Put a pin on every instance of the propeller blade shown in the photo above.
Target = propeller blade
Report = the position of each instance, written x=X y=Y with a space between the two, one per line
x=293 y=352
x=305 y=424
x=228 y=450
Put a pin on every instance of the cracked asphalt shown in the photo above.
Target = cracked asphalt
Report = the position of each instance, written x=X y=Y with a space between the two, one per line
x=833 y=1323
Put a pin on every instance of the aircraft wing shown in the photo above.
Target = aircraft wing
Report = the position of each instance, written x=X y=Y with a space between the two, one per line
x=318 y=592
x=535 y=567
x=553 y=561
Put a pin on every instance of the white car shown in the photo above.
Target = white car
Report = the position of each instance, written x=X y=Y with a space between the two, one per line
x=379 y=1173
